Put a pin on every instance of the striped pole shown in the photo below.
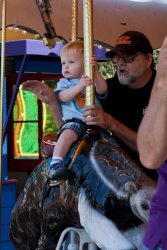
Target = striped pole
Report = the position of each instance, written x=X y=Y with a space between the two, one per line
x=88 y=48
x=2 y=94
x=74 y=32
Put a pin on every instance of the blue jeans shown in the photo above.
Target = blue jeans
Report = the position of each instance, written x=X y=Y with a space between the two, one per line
x=78 y=127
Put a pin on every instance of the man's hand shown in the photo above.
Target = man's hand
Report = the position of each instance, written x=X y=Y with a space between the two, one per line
x=46 y=95
x=41 y=90
x=94 y=115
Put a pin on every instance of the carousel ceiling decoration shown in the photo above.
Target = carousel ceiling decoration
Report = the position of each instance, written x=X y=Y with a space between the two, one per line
x=111 y=18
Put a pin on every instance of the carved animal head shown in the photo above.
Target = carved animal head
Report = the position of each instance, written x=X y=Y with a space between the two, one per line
x=140 y=201
x=125 y=178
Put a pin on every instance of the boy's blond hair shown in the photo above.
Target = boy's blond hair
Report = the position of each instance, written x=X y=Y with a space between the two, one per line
x=74 y=47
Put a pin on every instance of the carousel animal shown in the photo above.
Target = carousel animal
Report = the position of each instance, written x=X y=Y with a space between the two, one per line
x=106 y=193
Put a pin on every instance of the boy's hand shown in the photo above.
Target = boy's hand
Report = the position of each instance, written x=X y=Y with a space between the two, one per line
x=94 y=62
x=84 y=81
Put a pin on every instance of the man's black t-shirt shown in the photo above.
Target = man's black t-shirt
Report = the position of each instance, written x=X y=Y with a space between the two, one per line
x=128 y=106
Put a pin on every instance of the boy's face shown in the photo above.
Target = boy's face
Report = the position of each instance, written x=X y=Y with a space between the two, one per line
x=72 y=65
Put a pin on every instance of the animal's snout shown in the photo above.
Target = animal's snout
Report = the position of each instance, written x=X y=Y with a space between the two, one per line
x=140 y=203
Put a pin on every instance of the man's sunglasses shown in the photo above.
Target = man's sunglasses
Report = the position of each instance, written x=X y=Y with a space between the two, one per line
x=125 y=58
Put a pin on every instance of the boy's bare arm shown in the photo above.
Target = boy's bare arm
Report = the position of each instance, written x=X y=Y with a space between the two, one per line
x=69 y=94
x=101 y=85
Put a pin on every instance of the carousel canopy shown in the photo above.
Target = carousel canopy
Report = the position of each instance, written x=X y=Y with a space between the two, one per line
x=110 y=17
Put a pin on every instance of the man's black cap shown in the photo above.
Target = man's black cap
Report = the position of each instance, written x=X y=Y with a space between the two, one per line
x=131 y=42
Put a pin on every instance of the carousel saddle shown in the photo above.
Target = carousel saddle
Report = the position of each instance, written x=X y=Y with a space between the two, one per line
x=49 y=141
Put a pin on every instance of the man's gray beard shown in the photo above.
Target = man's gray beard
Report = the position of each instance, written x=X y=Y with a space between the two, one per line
x=124 y=80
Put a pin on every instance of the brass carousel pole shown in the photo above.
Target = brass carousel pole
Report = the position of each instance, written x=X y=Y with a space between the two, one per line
x=88 y=48
x=2 y=94
x=74 y=32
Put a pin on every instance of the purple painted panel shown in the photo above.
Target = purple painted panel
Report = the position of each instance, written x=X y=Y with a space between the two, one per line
x=37 y=47
x=31 y=47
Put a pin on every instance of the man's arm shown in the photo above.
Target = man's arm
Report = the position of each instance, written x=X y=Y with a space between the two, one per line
x=94 y=115
x=152 y=134
x=46 y=95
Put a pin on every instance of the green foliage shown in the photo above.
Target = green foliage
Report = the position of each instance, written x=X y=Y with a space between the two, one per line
x=155 y=56
x=50 y=125
x=107 y=69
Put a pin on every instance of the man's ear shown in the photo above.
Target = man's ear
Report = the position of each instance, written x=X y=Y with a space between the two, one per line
x=150 y=59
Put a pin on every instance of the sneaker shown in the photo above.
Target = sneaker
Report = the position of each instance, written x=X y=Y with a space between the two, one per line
x=58 y=171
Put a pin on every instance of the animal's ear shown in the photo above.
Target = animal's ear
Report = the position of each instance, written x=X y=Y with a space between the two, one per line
x=130 y=187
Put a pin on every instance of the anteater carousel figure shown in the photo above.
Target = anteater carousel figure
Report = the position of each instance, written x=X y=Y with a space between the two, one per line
x=106 y=193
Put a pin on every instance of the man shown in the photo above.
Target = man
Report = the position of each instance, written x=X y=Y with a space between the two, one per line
x=152 y=144
x=128 y=92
